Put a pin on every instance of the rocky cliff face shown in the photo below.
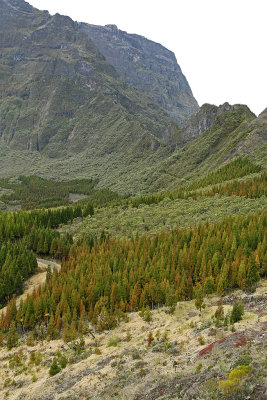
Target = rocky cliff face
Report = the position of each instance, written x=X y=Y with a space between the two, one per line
x=148 y=66
x=65 y=112
x=59 y=94
x=203 y=120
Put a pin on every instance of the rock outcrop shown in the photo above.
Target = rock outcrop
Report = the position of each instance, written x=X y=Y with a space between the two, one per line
x=148 y=66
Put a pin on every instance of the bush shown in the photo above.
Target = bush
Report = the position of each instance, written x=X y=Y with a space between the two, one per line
x=244 y=359
x=128 y=335
x=146 y=314
x=201 y=341
x=135 y=354
x=237 y=312
x=113 y=341
x=235 y=380
x=150 y=338
x=198 y=368
x=55 y=368
x=63 y=362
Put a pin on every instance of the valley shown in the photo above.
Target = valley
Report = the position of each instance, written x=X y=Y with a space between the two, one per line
x=133 y=255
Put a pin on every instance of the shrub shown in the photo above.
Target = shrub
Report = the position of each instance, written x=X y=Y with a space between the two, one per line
x=244 y=359
x=201 y=341
x=128 y=335
x=198 y=368
x=235 y=380
x=219 y=313
x=135 y=354
x=146 y=314
x=63 y=362
x=54 y=369
x=150 y=338
x=38 y=358
x=113 y=341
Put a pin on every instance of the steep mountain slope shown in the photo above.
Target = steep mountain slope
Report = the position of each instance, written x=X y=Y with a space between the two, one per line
x=60 y=95
x=148 y=66
x=221 y=134
x=65 y=113
x=135 y=169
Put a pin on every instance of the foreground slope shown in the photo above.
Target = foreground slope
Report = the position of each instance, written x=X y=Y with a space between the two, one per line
x=188 y=357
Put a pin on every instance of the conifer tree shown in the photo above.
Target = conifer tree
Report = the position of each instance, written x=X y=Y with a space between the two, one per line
x=12 y=337
x=199 y=300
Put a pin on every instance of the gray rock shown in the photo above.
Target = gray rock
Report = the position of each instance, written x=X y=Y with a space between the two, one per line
x=148 y=66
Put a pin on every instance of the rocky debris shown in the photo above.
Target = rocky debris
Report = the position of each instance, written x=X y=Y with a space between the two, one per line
x=202 y=327
x=253 y=303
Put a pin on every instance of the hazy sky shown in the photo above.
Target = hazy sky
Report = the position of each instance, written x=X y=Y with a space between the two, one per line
x=219 y=44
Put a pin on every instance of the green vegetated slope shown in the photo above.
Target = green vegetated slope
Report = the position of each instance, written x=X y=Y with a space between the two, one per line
x=168 y=214
x=69 y=101
x=187 y=206
x=233 y=133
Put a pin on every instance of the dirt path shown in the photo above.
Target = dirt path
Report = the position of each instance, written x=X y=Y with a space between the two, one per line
x=37 y=279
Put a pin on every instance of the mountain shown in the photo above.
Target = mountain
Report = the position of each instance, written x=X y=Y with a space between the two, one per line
x=68 y=109
x=59 y=94
x=148 y=66
x=213 y=137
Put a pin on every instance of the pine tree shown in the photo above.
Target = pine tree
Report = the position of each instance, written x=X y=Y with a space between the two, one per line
x=237 y=312
x=55 y=368
x=51 y=329
x=253 y=275
x=199 y=300
x=12 y=337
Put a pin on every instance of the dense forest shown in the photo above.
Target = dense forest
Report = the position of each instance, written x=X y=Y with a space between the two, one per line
x=235 y=169
x=23 y=233
x=102 y=279
x=251 y=187
x=35 y=192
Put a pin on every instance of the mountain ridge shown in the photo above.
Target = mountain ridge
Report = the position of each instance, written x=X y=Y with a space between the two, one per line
x=147 y=65
x=72 y=116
